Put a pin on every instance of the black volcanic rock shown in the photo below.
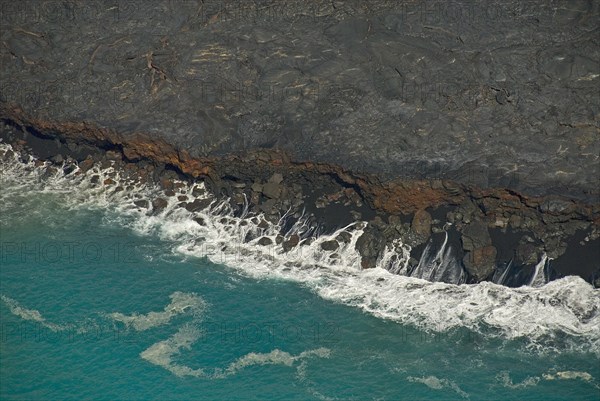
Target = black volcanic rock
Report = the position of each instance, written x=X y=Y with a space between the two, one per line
x=500 y=94
x=284 y=105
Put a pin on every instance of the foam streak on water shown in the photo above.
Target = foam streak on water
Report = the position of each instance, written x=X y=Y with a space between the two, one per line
x=562 y=313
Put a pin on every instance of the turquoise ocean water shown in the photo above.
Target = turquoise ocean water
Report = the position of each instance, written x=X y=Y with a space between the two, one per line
x=100 y=300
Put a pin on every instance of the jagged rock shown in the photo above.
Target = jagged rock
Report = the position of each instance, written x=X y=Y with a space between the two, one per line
x=268 y=206
x=331 y=245
x=291 y=242
x=159 y=204
x=250 y=235
x=86 y=165
x=481 y=262
x=143 y=203
x=198 y=204
x=556 y=206
x=167 y=183
x=344 y=237
x=370 y=245
x=526 y=254
x=271 y=190
x=276 y=178
x=515 y=221
x=421 y=224
x=475 y=235
x=238 y=198
x=198 y=191
x=264 y=241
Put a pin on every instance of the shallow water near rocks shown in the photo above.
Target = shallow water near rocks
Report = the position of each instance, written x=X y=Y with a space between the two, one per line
x=101 y=302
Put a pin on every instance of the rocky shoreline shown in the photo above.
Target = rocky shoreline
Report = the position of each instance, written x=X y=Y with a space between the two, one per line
x=430 y=121
x=491 y=230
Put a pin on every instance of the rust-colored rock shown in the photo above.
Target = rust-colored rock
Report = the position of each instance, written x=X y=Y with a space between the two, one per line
x=421 y=224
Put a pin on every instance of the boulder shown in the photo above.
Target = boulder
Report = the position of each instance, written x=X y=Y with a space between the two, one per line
x=143 y=203
x=291 y=242
x=271 y=190
x=331 y=245
x=526 y=254
x=480 y=262
x=276 y=178
x=475 y=236
x=421 y=224
x=86 y=164
x=198 y=204
x=264 y=241
x=159 y=204
x=370 y=244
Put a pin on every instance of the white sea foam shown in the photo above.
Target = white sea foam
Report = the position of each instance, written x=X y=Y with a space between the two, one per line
x=31 y=315
x=562 y=313
x=163 y=354
x=275 y=357
x=181 y=303
x=568 y=375
x=504 y=378
x=438 y=384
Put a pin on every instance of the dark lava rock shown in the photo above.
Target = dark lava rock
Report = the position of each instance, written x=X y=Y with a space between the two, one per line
x=159 y=204
x=331 y=245
x=409 y=96
x=86 y=164
x=370 y=245
x=526 y=254
x=264 y=241
x=268 y=206
x=555 y=206
x=481 y=262
x=291 y=242
x=475 y=235
x=344 y=237
x=198 y=204
x=198 y=191
x=271 y=190
x=143 y=203
x=421 y=224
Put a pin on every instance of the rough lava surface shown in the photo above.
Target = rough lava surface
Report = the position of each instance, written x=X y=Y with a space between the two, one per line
x=494 y=94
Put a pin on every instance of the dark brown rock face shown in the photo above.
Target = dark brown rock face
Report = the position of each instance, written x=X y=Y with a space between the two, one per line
x=480 y=262
x=421 y=224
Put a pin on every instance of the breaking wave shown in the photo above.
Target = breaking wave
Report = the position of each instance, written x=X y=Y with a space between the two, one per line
x=561 y=314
